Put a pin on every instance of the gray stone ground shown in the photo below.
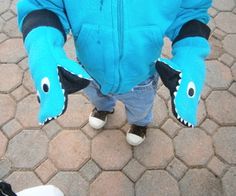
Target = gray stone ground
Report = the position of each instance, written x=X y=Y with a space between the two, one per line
x=81 y=161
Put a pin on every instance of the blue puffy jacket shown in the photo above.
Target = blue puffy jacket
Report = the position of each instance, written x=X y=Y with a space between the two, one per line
x=117 y=41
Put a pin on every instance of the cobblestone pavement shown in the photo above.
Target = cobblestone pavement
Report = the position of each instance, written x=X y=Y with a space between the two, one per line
x=81 y=161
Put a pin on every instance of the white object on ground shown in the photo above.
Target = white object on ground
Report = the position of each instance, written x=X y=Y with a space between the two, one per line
x=45 y=190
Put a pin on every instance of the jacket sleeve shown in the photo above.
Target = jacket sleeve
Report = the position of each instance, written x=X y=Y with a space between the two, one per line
x=36 y=13
x=191 y=20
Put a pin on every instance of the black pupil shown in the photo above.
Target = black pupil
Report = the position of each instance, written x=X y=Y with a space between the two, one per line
x=45 y=88
x=191 y=92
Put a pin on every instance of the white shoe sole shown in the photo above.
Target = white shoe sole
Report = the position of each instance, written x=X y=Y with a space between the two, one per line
x=133 y=139
x=96 y=123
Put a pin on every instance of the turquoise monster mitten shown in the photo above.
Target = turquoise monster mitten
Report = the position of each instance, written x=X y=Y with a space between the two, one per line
x=184 y=76
x=54 y=75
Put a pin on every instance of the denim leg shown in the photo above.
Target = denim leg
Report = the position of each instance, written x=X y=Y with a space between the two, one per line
x=100 y=101
x=139 y=102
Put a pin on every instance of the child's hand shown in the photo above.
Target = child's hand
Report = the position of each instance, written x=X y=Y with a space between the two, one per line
x=184 y=76
x=54 y=75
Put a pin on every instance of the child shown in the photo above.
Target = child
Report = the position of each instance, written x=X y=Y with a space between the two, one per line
x=118 y=44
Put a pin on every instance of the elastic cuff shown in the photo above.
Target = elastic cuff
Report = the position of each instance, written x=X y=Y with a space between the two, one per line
x=193 y=28
x=41 y=18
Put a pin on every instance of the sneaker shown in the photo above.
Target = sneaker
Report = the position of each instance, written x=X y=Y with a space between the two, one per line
x=136 y=135
x=97 y=119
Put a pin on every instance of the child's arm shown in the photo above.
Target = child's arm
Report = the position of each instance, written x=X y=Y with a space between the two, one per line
x=184 y=74
x=44 y=26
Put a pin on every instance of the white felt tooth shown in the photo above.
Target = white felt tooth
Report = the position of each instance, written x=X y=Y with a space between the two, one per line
x=178 y=117
x=49 y=118
x=185 y=122
x=175 y=93
x=80 y=76
x=181 y=120
x=180 y=75
x=189 y=125
x=180 y=81
x=177 y=87
x=192 y=126
x=63 y=91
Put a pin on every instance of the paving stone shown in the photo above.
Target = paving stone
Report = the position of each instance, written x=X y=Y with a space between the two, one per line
x=70 y=49
x=13 y=6
x=206 y=91
x=27 y=111
x=19 y=93
x=177 y=168
x=171 y=128
x=229 y=45
x=232 y=88
x=5 y=167
x=77 y=112
x=217 y=166
x=225 y=145
x=193 y=146
x=2 y=22
x=71 y=183
x=156 y=182
x=113 y=183
x=7 y=108
x=223 y=5
x=233 y=69
x=51 y=129
x=7 y=15
x=20 y=180
x=218 y=75
x=12 y=51
x=3 y=144
x=89 y=131
x=118 y=118
x=27 y=149
x=163 y=92
x=156 y=151
x=3 y=37
x=201 y=114
x=110 y=150
x=224 y=20
x=211 y=24
x=200 y=182
x=73 y=145
x=227 y=59
x=229 y=182
x=166 y=50
x=216 y=48
x=9 y=83
x=28 y=82
x=134 y=170
x=4 y=6
x=12 y=128
x=213 y=12
x=225 y=114
x=219 y=34
x=24 y=64
x=209 y=126
x=46 y=170
x=11 y=28
x=160 y=112
x=90 y=170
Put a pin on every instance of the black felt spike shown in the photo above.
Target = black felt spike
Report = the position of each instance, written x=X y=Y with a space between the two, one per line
x=70 y=82
x=169 y=76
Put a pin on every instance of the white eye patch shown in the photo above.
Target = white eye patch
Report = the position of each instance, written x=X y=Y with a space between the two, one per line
x=45 y=85
x=191 y=90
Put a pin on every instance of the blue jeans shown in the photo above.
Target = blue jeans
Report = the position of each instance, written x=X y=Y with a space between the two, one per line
x=138 y=102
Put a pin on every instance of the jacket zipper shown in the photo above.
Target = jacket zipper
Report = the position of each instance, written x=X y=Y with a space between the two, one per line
x=120 y=26
x=120 y=31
